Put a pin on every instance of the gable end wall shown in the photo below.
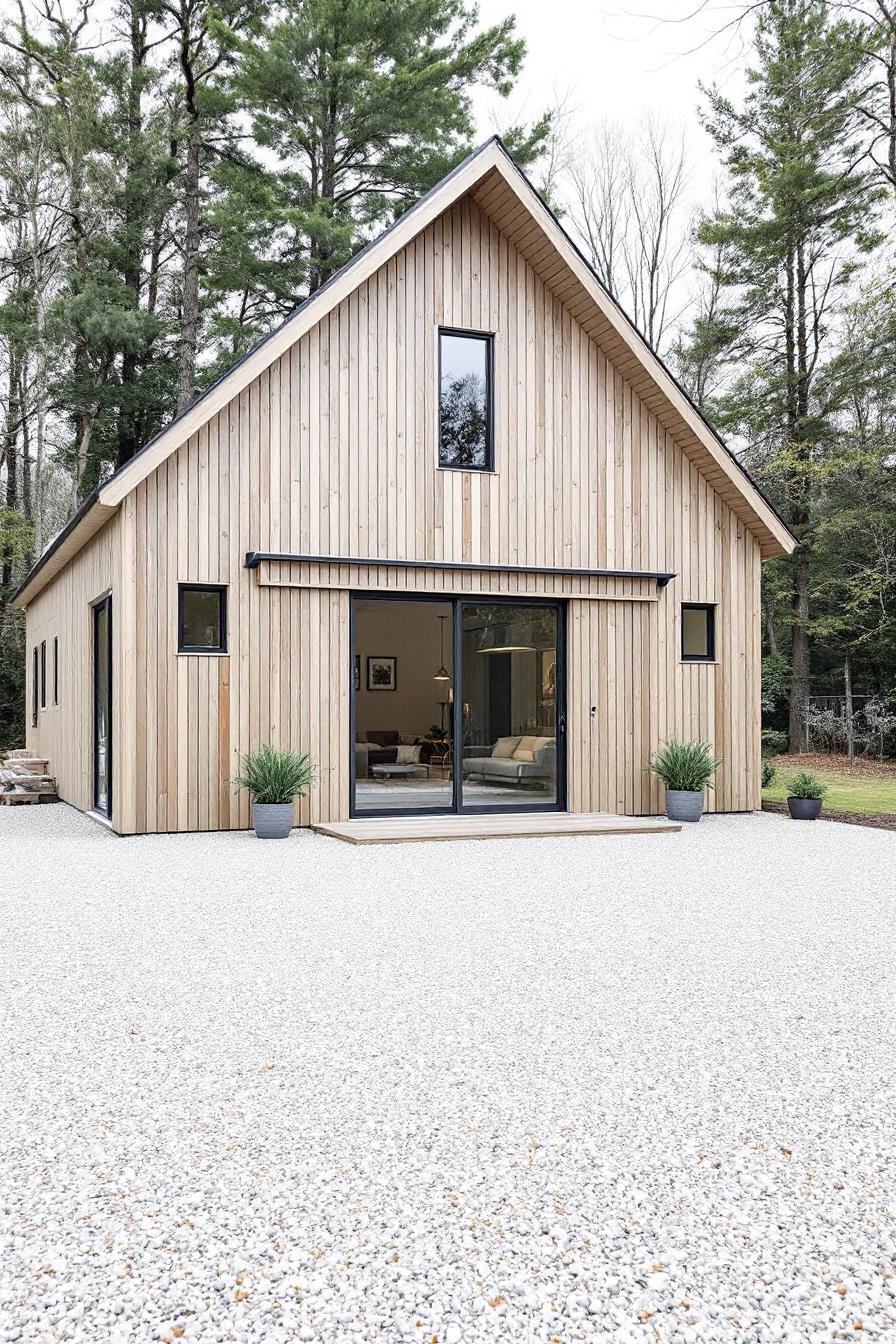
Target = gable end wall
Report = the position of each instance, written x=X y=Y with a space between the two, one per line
x=333 y=451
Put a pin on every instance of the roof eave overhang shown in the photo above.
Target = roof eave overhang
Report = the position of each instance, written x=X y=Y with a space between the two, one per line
x=770 y=530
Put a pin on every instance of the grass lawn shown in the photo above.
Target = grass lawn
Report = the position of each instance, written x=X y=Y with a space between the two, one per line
x=857 y=786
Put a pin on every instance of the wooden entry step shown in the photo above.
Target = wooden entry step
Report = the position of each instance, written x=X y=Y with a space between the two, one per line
x=494 y=826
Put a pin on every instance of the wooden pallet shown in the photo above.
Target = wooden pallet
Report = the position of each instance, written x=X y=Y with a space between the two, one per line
x=19 y=796
x=39 y=788
x=37 y=764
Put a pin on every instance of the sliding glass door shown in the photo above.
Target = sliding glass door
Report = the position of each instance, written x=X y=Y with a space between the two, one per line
x=457 y=705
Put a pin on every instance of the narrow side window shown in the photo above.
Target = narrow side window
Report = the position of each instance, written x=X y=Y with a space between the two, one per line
x=55 y=669
x=43 y=674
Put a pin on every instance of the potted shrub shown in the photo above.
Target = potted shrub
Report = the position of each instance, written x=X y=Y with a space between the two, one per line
x=686 y=769
x=806 y=794
x=275 y=780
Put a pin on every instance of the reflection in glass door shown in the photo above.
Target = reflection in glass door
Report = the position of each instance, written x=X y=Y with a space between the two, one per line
x=510 y=721
x=402 y=664
x=102 y=707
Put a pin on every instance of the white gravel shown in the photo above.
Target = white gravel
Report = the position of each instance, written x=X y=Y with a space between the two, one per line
x=614 y=1089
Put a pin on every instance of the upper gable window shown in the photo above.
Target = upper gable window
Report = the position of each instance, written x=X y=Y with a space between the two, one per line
x=465 y=401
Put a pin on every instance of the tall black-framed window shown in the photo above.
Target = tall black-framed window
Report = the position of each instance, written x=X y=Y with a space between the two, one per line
x=55 y=669
x=201 y=618
x=102 y=705
x=698 y=632
x=34 y=690
x=466 y=400
x=43 y=674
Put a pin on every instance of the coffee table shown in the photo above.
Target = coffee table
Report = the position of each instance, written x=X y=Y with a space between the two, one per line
x=399 y=771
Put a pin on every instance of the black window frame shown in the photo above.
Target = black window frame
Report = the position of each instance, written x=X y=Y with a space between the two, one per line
x=710 y=655
x=34 y=694
x=221 y=590
x=97 y=608
x=488 y=338
x=43 y=674
x=55 y=669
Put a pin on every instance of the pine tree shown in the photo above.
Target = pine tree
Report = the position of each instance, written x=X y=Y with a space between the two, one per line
x=365 y=105
x=799 y=218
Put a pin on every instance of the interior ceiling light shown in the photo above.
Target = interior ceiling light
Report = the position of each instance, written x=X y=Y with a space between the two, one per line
x=505 y=639
x=443 y=674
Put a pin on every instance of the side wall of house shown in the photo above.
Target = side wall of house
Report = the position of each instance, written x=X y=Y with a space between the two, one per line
x=333 y=451
x=62 y=611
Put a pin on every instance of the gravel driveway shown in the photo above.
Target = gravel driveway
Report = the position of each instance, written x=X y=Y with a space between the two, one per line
x=603 y=1088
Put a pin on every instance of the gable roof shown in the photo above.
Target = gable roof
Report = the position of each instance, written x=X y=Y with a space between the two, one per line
x=499 y=187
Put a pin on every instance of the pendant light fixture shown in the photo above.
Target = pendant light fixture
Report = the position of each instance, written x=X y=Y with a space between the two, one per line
x=443 y=674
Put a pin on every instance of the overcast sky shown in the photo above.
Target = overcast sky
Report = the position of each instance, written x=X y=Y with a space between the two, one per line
x=621 y=58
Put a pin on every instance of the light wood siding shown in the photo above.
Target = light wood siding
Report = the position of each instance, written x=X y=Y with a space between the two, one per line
x=64 y=732
x=333 y=451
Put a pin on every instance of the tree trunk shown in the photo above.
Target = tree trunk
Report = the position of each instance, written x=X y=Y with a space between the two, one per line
x=85 y=434
x=847 y=686
x=189 y=318
x=10 y=443
x=770 y=631
x=129 y=424
x=799 y=685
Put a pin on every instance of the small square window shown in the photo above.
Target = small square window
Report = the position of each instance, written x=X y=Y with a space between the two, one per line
x=466 y=412
x=202 y=618
x=698 y=632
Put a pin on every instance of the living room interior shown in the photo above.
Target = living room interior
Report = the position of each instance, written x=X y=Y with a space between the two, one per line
x=415 y=747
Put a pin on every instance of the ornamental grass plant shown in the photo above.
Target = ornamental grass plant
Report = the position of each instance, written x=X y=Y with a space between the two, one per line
x=685 y=767
x=275 y=776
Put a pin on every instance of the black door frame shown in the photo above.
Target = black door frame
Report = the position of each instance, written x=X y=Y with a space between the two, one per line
x=102 y=603
x=456 y=602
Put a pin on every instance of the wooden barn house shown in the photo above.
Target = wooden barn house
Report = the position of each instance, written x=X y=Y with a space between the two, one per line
x=453 y=529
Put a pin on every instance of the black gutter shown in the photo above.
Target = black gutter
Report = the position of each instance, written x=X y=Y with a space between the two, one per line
x=254 y=559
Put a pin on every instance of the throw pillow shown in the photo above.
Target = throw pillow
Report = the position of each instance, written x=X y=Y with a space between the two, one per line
x=525 y=748
x=383 y=737
x=505 y=747
x=408 y=755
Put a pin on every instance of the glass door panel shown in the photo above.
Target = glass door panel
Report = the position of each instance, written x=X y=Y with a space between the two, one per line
x=509 y=713
x=402 y=664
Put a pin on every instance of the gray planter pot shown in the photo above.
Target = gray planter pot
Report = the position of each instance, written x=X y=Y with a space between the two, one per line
x=683 y=805
x=804 y=809
x=272 y=821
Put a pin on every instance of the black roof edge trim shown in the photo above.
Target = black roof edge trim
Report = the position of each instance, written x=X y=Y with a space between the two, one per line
x=337 y=275
x=255 y=558
x=81 y=512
